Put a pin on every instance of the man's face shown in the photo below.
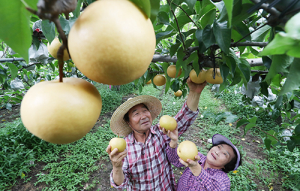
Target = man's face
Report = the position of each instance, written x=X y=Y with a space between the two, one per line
x=219 y=156
x=140 y=118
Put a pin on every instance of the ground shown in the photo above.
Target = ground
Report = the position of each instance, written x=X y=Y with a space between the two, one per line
x=251 y=146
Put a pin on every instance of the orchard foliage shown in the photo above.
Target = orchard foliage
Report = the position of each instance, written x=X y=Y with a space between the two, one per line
x=190 y=34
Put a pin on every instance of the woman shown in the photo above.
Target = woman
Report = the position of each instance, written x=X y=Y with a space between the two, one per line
x=205 y=172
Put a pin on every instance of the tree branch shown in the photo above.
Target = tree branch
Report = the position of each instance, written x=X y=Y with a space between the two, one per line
x=233 y=44
x=275 y=14
x=167 y=58
x=177 y=24
x=266 y=7
x=258 y=71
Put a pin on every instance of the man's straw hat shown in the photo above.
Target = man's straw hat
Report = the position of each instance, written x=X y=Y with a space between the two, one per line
x=118 y=124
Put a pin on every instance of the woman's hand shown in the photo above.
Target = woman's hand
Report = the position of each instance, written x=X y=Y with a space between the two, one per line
x=194 y=166
x=116 y=157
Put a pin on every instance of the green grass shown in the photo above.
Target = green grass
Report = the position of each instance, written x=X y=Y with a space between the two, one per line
x=70 y=166
x=279 y=158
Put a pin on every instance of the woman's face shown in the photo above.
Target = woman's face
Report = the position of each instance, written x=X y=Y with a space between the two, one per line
x=219 y=156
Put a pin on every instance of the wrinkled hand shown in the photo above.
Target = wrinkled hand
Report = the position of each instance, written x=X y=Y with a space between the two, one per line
x=116 y=157
x=172 y=134
x=194 y=166
x=197 y=88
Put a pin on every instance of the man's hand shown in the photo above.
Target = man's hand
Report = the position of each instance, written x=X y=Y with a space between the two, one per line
x=172 y=134
x=197 y=88
x=194 y=166
x=116 y=157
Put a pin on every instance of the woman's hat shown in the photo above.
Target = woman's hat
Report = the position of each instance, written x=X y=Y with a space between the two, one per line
x=217 y=139
x=119 y=126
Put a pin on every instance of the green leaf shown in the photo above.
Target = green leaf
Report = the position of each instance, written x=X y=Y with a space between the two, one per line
x=219 y=117
x=245 y=69
x=260 y=34
x=296 y=139
x=279 y=64
x=229 y=7
x=297 y=130
x=292 y=82
x=282 y=44
x=268 y=143
x=182 y=19
x=222 y=35
x=163 y=18
x=36 y=42
x=48 y=29
x=243 y=14
x=13 y=70
x=242 y=122
x=248 y=127
x=208 y=36
x=291 y=145
x=191 y=3
x=180 y=55
x=64 y=24
x=15 y=24
x=253 y=120
x=208 y=18
x=174 y=49
x=292 y=27
x=162 y=35
x=155 y=4
x=267 y=62
x=243 y=30
x=230 y=118
x=199 y=34
x=144 y=5
x=207 y=6
x=224 y=69
x=76 y=12
x=273 y=139
x=264 y=88
x=279 y=103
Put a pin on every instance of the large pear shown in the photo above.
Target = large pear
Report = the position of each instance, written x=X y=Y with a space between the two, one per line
x=61 y=112
x=187 y=150
x=118 y=143
x=112 y=42
x=168 y=122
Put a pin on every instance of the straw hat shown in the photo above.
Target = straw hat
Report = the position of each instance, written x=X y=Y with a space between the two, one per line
x=118 y=124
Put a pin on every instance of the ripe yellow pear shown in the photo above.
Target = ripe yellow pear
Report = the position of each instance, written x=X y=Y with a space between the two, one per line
x=61 y=112
x=209 y=76
x=149 y=82
x=53 y=48
x=187 y=150
x=118 y=143
x=178 y=93
x=159 y=80
x=171 y=71
x=112 y=42
x=198 y=79
x=167 y=122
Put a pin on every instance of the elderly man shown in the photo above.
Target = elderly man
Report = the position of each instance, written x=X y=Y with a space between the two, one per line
x=144 y=164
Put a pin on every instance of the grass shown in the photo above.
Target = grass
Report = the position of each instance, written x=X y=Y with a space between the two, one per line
x=70 y=166
x=67 y=166
x=280 y=161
